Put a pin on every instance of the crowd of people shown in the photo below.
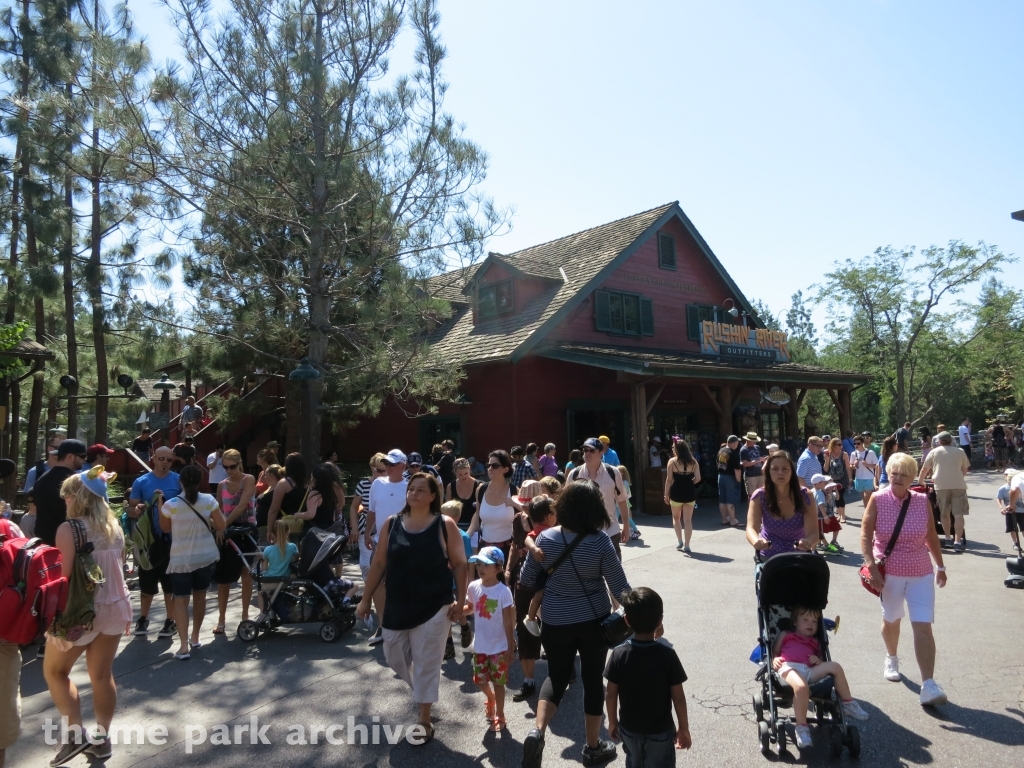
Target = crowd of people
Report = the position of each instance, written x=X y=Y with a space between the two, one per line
x=524 y=555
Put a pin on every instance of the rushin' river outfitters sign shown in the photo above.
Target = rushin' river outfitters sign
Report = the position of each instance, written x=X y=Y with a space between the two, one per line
x=729 y=340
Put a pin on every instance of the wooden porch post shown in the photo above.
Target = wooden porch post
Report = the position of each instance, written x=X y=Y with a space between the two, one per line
x=638 y=422
x=725 y=408
x=846 y=411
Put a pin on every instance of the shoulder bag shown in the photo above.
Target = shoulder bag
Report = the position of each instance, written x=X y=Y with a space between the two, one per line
x=614 y=627
x=77 y=617
x=543 y=576
x=206 y=523
x=865 y=570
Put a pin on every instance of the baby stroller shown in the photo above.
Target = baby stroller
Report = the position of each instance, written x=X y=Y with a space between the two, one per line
x=784 y=581
x=311 y=594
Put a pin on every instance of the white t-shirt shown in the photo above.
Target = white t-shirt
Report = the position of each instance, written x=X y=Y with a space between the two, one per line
x=1017 y=484
x=192 y=545
x=609 y=481
x=866 y=461
x=655 y=452
x=489 y=604
x=965 y=435
x=386 y=499
x=217 y=471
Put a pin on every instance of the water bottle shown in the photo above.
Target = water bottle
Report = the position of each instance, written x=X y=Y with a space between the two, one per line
x=368 y=621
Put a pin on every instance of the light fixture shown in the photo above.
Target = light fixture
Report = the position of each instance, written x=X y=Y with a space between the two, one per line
x=165 y=384
x=68 y=382
x=304 y=372
x=731 y=310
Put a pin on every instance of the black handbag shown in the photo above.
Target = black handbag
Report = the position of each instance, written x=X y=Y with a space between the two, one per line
x=542 y=577
x=613 y=626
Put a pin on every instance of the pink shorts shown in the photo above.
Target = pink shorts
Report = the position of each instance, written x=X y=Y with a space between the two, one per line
x=111 y=619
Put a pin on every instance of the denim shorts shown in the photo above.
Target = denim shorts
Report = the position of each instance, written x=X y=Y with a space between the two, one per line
x=184 y=584
x=649 y=750
x=864 y=486
x=728 y=490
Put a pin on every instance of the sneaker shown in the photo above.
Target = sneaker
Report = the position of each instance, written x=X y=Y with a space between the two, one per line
x=932 y=694
x=960 y=546
x=821 y=546
x=602 y=753
x=686 y=550
x=634 y=535
x=525 y=692
x=1019 y=550
x=892 y=669
x=832 y=549
x=532 y=626
x=170 y=629
x=449 y=650
x=101 y=751
x=66 y=752
x=852 y=708
x=467 y=635
x=376 y=638
x=679 y=547
x=803 y=737
x=142 y=626
x=533 y=748
x=838 y=546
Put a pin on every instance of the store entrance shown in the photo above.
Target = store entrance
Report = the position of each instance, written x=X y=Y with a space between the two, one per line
x=594 y=422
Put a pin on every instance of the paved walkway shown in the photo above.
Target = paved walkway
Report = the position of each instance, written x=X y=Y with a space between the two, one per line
x=294 y=678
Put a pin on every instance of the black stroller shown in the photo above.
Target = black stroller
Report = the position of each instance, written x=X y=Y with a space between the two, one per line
x=786 y=580
x=310 y=594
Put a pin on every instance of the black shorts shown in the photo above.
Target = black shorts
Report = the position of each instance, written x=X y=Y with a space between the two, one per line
x=229 y=568
x=150 y=580
x=1009 y=521
x=529 y=645
x=184 y=584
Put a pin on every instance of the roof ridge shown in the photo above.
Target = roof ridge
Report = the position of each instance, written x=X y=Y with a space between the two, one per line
x=588 y=229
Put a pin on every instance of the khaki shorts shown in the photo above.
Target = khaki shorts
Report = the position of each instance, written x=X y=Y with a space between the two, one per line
x=952 y=500
x=753 y=483
x=10 y=694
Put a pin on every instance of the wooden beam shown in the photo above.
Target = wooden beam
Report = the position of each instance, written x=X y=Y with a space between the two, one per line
x=835 y=400
x=653 y=400
x=641 y=458
x=712 y=398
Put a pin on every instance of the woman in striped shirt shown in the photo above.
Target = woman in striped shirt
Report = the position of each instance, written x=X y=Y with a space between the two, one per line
x=575 y=602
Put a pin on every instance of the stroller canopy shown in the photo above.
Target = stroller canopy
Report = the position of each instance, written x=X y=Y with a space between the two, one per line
x=315 y=550
x=797 y=578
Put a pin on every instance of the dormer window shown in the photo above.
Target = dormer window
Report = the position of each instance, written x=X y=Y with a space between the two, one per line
x=494 y=299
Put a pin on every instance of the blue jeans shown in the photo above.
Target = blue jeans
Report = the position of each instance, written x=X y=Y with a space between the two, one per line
x=649 y=750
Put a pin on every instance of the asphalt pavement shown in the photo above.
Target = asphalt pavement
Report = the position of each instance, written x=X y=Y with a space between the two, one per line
x=291 y=681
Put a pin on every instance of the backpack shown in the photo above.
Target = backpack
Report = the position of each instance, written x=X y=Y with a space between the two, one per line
x=32 y=591
x=575 y=475
x=142 y=539
x=80 y=610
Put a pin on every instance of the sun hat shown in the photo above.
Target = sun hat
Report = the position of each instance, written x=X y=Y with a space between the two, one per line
x=752 y=436
x=96 y=480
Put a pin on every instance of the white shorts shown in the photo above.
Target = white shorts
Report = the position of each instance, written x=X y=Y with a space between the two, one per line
x=917 y=591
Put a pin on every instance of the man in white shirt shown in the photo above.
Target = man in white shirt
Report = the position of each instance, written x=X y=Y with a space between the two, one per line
x=655 y=452
x=387 y=499
x=215 y=463
x=949 y=466
x=965 y=436
x=609 y=481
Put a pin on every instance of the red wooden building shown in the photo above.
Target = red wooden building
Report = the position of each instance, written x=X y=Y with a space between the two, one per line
x=631 y=329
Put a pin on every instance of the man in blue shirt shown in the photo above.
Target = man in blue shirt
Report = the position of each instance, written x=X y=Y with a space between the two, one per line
x=848 y=442
x=148 y=493
x=610 y=456
x=808 y=466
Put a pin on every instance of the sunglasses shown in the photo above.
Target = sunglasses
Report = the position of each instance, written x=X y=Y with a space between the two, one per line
x=495 y=466
x=380 y=471
x=230 y=466
x=590 y=450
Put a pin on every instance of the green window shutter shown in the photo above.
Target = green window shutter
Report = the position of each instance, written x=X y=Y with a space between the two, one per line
x=666 y=252
x=647 y=317
x=693 y=322
x=602 y=312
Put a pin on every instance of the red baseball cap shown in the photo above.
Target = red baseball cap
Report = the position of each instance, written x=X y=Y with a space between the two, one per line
x=97 y=448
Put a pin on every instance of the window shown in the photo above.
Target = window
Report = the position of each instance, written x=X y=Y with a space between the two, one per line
x=666 y=251
x=770 y=426
x=494 y=299
x=629 y=314
x=697 y=314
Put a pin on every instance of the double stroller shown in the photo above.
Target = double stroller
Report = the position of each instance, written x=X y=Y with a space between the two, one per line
x=310 y=594
x=785 y=581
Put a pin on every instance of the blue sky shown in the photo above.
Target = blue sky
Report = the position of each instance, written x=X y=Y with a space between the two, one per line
x=794 y=134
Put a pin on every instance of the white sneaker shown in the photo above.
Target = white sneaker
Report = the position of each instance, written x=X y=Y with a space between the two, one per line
x=532 y=626
x=892 y=669
x=852 y=708
x=932 y=694
x=803 y=737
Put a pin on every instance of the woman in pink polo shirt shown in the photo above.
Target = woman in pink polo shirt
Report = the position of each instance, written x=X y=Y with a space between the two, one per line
x=909 y=576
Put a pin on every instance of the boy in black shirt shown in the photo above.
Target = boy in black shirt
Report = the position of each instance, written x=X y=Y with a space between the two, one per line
x=648 y=677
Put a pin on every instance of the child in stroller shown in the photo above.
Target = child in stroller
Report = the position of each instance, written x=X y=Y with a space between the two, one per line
x=798 y=661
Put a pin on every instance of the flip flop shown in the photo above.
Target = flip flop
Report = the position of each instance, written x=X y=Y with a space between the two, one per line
x=428 y=736
x=193 y=646
x=219 y=629
x=183 y=656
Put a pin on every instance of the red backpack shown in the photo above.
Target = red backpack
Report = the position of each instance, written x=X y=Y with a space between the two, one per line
x=32 y=591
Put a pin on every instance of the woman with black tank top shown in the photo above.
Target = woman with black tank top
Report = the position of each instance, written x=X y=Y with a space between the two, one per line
x=463 y=490
x=290 y=491
x=419 y=551
x=681 y=478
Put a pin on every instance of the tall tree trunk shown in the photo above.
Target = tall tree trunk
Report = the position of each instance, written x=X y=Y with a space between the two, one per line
x=901 y=393
x=94 y=274
x=67 y=253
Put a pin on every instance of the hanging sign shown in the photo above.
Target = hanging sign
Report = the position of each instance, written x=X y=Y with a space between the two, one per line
x=729 y=340
x=159 y=420
x=775 y=396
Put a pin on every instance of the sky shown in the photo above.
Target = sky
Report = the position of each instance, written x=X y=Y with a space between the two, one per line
x=794 y=134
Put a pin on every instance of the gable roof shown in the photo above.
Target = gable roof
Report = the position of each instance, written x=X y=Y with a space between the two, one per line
x=587 y=259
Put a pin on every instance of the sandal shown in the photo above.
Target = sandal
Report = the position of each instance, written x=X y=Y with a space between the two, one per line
x=193 y=646
x=219 y=629
x=428 y=736
x=489 y=711
x=497 y=725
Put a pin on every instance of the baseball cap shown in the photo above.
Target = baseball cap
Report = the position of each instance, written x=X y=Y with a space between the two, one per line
x=819 y=478
x=593 y=442
x=489 y=556
x=395 y=456
x=99 y=448
x=604 y=439
x=732 y=439
x=415 y=458
x=71 y=447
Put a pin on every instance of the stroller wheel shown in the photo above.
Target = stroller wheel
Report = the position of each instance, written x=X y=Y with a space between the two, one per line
x=247 y=631
x=758 y=707
x=782 y=738
x=854 y=745
x=329 y=632
x=763 y=734
x=835 y=740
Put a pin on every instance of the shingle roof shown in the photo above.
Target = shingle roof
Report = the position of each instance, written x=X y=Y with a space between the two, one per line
x=27 y=349
x=582 y=256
